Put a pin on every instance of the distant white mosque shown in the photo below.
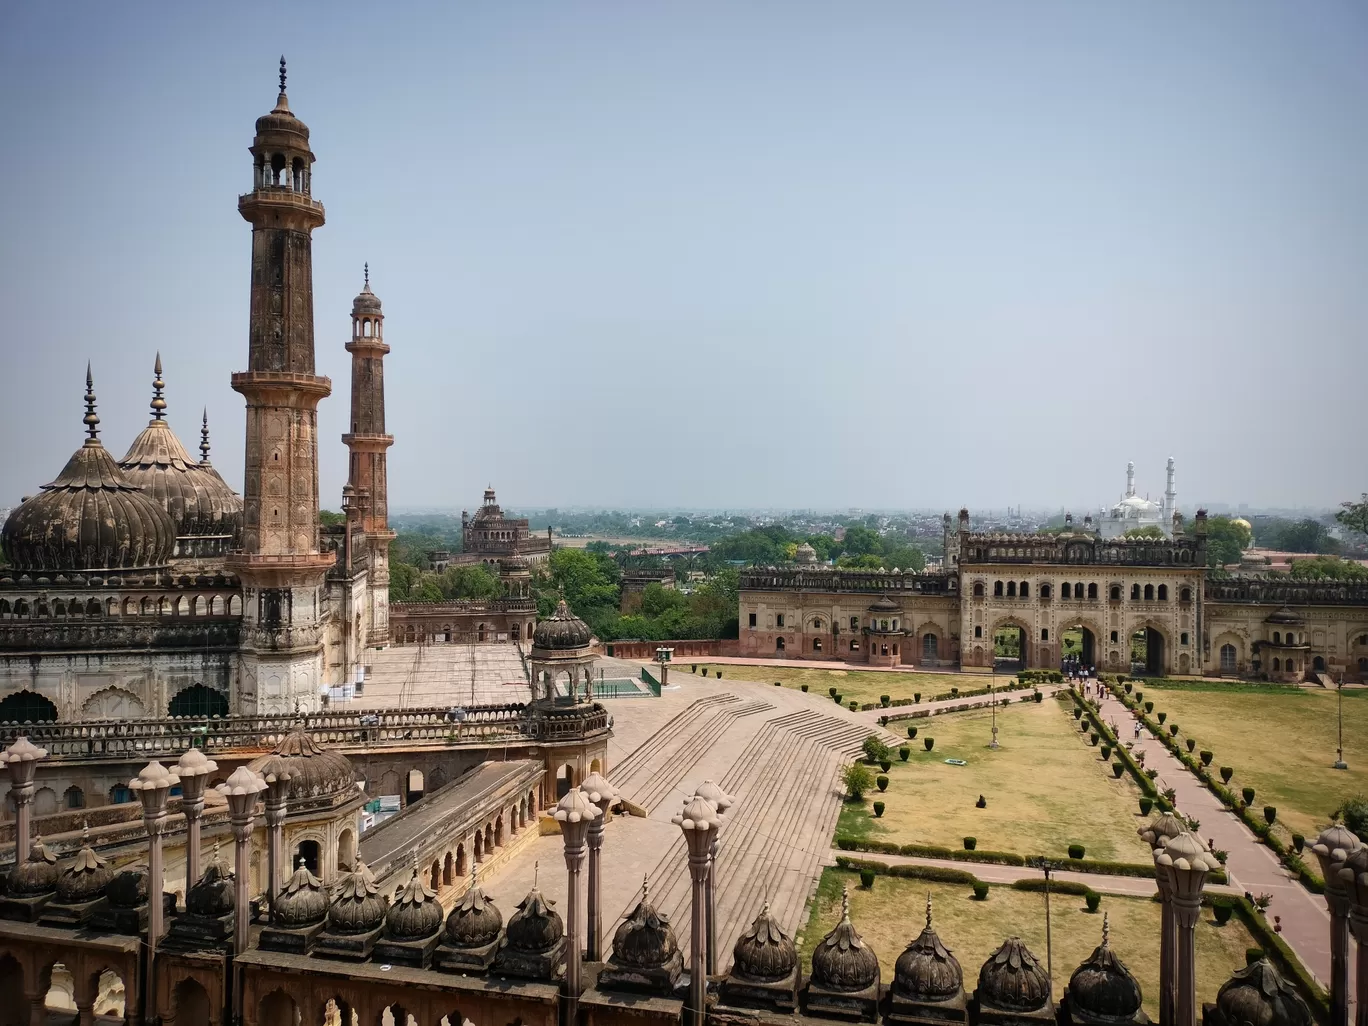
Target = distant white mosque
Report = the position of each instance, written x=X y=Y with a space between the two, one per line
x=1134 y=512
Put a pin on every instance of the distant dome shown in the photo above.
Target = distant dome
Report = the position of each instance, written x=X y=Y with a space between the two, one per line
x=926 y=970
x=645 y=940
x=1258 y=996
x=1102 y=986
x=37 y=874
x=213 y=894
x=89 y=518
x=302 y=901
x=474 y=921
x=309 y=769
x=357 y=906
x=842 y=960
x=1013 y=979
x=1242 y=522
x=561 y=631
x=805 y=554
x=536 y=926
x=415 y=914
x=764 y=952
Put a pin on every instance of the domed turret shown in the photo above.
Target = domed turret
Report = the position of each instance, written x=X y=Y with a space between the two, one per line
x=36 y=875
x=307 y=769
x=474 y=920
x=926 y=971
x=1258 y=996
x=1102 y=989
x=645 y=952
x=805 y=555
x=85 y=877
x=1013 y=980
x=561 y=631
x=764 y=953
x=416 y=913
x=127 y=889
x=842 y=960
x=90 y=518
x=366 y=303
x=357 y=906
x=302 y=902
x=213 y=893
x=534 y=945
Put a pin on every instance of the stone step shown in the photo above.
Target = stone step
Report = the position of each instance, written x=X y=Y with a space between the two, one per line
x=675 y=764
x=648 y=751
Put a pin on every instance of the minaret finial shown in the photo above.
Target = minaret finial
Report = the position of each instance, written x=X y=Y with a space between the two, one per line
x=845 y=904
x=645 y=888
x=91 y=421
x=366 y=265
x=1106 y=930
x=204 y=439
x=536 y=869
x=928 y=911
x=282 y=73
x=158 y=403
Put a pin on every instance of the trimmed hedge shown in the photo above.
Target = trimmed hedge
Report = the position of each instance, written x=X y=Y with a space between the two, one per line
x=1277 y=952
x=940 y=874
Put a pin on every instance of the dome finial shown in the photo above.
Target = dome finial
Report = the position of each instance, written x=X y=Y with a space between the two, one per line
x=204 y=439
x=645 y=887
x=1106 y=930
x=282 y=74
x=366 y=267
x=158 y=385
x=928 y=912
x=845 y=904
x=91 y=420
x=536 y=869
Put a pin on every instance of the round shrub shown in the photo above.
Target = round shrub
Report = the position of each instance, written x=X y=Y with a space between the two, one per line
x=1226 y=773
x=1191 y=744
x=970 y=843
x=929 y=742
x=904 y=752
x=1129 y=685
x=1149 y=707
x=1118 y=769
x=1139 y=696
x=1093 y=738
x=857 y=780
x=1106 y=752
x=881 y=782
x=1270 y=814
x=1076 y=851
x=693 y=667
x=878 y=808
x=803 y=686
x=1298 y=842
x=837 y=698
x=1146 y=804
x=954 y=692
x=1222 y=912
x=885 y=765
x=778 y=684
x=883 y=721
x=1206 y=757
x=916 y=696
x=911 y=732
x=831 y=692
x=884 y=700
x=1037 y=696
x=1247 y=794
x=1173 y=730
x=980 y=891
x=1093 y=900
x=1164 y=805
x=866 y=878
x=854 y=705
x=1162 y=717
x=1078 y=713
x=1253 y=955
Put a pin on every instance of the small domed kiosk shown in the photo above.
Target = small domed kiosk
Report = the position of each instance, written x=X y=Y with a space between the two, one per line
x=413 y=926
x=764 y=973
x=355 y=919
x=1102 y=991
x=473 y=933
x=1014 y=988
x=928 y=983
x=845 y=974
x=297 y=914
x=80 y=887
x=208 y=920
x=31 y=885
x=561 y=644
x=1257 y=995
x=645 y=956
x=534 y=941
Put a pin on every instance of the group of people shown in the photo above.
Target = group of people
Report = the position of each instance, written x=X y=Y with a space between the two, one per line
x=1074 y=669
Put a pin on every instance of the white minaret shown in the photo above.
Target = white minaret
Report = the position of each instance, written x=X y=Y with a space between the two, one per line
x=1170 y=492
x=1130 y=480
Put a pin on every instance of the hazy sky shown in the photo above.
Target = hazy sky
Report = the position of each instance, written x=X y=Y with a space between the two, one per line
x=719 y=253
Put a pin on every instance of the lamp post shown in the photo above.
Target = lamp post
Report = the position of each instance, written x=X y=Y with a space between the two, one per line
x=574 y=813
x=241 y=790
x=700 y=820
x=722 y=801
x=153 y=785
x=1047 y=867
x=21 y=759
x=602 y=793
x=1186 y=861
x=1333 y=849
x=992 y=701
x=1340 y=764
x=193 y=768
x=1353 y=877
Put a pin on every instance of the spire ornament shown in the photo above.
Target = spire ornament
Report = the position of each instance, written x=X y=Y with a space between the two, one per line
x=158 y=386
x=90 y=420
x=204 y=439
x=366 y=270
x=282 y=74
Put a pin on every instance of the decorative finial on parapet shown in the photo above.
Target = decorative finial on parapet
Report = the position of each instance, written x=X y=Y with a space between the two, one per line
x=204 y=439
x=158 y=385
x=90 y=420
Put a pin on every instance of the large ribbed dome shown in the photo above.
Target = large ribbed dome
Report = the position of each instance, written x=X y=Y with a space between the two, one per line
x=474 y=921
x=842 y=960
x=198 y=500
x=1103 y=986
x=764 y=952
x=357 y=906
x=307 y=769
x=561 y=631
x=90 y=518
x=1013 y=978
x=926 y=970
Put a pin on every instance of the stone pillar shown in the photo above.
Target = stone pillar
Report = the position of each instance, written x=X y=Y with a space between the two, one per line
x=193 y=769
x=574 y=813
x=275 y=835
x=1186 y=861
x=722 y=801
x=700 y=820
x=602 y=793
x=1333 y=848
x=241 y=790
x=1353 y=875
x=21 y=759
x=153 y=785
x=1156 y=834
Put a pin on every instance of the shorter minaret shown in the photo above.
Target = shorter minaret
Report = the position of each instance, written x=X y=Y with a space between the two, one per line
x=367 y=443
x=1130 y=480
x=1170 y=492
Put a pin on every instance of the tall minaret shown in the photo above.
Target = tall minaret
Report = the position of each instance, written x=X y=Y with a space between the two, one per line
x=280 y=564
x=1130 y=480
x=367 y=442
x=1170 y=492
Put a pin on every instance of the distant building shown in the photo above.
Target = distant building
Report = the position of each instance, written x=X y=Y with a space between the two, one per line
x=489 y=536
x=1134 y=512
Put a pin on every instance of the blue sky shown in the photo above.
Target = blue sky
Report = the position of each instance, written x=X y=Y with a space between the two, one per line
x=720 y=254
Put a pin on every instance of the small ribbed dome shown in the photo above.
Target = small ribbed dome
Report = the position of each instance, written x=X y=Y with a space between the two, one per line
x=415 y=913
x=89 y=518
x=475 y=921
x=536 y=926
x=1102 y=986
x=645 y=939
x=561 y=631
x=302 y=901
x=357 y=906
x=926 y=970
x=85 y=877
x=308 y=769
x=281 y=120
x=842 y=960
x=1258 y=996
x=128 y=888
x=764 y=952
x=37 y=874
x=213 y=893
x=884 y=604
x=366 y=302
x=805 y=554
x=1013 y=979
x=1284 y=615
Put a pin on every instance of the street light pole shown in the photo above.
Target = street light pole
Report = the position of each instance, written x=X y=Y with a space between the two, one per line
x=1047 y=867
x=1340 y=764
x=992 y=701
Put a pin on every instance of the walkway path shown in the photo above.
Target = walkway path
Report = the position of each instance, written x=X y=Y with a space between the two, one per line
x=1250 y=865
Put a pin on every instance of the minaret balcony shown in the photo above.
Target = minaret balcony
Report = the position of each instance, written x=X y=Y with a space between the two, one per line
x=280 y=201
x=283 y=384
x=365 y=442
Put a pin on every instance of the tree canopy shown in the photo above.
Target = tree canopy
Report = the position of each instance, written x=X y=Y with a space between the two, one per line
x=1226 y=541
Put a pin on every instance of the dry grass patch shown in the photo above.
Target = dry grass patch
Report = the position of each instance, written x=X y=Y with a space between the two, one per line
x=856 y=685
x=1045 y=787
x=892 y=913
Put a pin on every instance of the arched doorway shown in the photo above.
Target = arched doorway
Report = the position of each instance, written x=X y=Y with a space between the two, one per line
x=1147 y=652
x=191 y=1003
x=309 y=852
x=198 y=701
x=1228 y=657
x=930 y=649
x=414 y=788
x=346 y=849
x=277 y=1009
x=14 y=1007
x=1010 y=648
x=1078 y=641
x=27 y=707
x=565 y=780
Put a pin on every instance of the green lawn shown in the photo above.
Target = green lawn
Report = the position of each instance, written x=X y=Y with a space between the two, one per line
x=891 y=915
x=857 y=685
x=1045 y=787
x=1279 y=740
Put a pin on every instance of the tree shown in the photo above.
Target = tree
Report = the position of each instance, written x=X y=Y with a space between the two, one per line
x=328 y=518
x=1226 y=541
x=468 y=581
x=1354 y=515
x=861 y=541
x=857 y=780
x=1327 y=568
x=1151 y=531
x=402 y=576
x=427 y=590
x=1304 y=535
